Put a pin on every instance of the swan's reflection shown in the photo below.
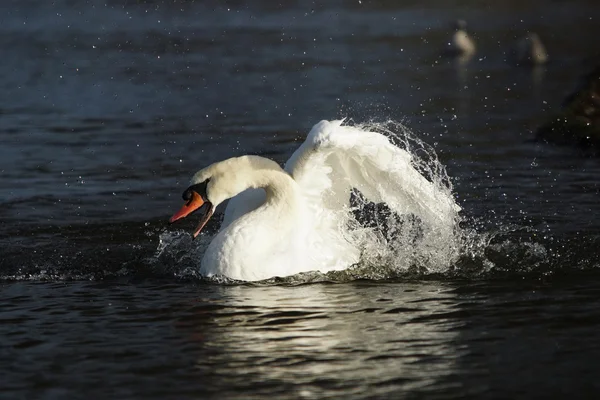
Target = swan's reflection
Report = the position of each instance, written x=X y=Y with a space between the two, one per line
x=461 y=69
x=537 y=79
x=358 y=335
x=461 y=61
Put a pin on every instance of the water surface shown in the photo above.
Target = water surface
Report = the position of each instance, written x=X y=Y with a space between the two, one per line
x=109 y=107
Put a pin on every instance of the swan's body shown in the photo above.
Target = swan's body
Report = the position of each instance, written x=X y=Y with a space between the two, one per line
x=530 y=50
x=283 y=222
x=460 y=44
x=266 y=239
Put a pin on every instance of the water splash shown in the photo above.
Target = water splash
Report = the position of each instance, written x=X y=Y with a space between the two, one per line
x=398 y=244
x=179 y=254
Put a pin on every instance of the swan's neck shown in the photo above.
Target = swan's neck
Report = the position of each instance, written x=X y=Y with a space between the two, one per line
x=262 y=239
x=282 y=196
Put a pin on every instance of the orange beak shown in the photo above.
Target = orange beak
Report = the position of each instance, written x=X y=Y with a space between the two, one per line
x=194 y=203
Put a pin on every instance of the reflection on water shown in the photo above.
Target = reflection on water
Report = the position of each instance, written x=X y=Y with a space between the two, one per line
x=463 y=97
x=537 y=77
x=232 y=341
x=320 y=336
x=360 y=340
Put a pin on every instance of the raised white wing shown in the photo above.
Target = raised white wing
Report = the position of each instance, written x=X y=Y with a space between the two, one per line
x=336 y=158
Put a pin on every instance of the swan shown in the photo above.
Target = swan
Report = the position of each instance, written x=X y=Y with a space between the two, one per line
x=461 y=44
x=529 y=50
x=284 y=221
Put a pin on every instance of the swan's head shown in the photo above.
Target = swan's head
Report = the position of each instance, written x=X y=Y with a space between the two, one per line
x=460 y=25
x=196 y=198
x=218 y=182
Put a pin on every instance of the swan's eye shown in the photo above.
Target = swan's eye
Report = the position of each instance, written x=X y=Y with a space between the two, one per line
x=199 y=188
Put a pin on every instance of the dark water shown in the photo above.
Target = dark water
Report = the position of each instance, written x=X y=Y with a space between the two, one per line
x=107 y=108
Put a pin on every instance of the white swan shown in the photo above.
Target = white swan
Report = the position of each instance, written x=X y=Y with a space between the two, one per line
x=283 y=222
x=461 y=44
x=529 y=50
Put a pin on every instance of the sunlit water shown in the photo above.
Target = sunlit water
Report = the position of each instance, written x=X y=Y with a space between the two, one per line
x=109 y=107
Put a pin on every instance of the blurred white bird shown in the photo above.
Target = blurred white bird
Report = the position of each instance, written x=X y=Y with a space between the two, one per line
x=461 y=44
x=529 y=50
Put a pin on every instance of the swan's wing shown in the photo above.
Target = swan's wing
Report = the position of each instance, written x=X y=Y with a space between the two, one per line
x=335 y=158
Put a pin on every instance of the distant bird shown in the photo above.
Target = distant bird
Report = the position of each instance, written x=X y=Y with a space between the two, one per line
x=529 y=50
x=461 y=43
